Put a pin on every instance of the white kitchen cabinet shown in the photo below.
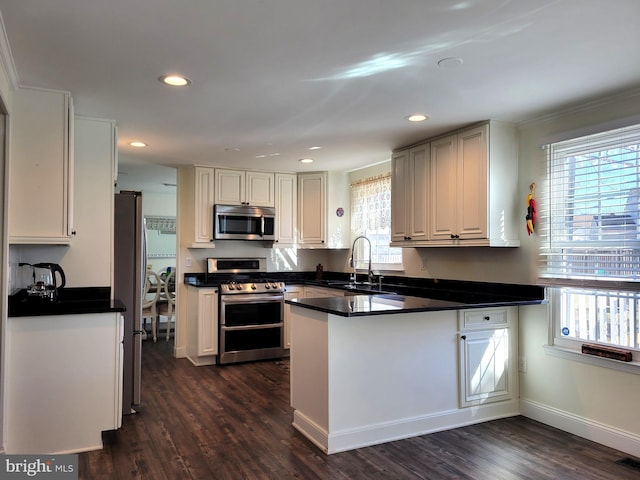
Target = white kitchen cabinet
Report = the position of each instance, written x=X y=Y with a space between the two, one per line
x=286 y=209
x=470 y=196
x=202 y=325
x=487 y=355
x=323 y=210
x=63 y=382
x=291 y=291
x=41 y=167
x=238 y=187
x=409 y=194
x=197 y=185
x=473 y=180
x=459 y=186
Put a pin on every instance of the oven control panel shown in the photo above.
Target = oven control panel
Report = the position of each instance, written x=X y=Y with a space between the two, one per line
x=251 y=287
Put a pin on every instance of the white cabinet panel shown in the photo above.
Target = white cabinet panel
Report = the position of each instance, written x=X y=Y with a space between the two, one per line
x=286 y=209
x=239 y=187
x=41 y=167
x=63 y=382
x=323 y=210
x=202 y=325
x=410 y=194
x=312 y=208
x=487 y=355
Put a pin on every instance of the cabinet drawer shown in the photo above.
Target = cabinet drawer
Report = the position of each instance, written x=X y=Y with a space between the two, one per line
x=483 y=318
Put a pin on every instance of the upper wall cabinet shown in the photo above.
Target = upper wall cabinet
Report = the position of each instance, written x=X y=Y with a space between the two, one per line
x=41 y=167
x=286 y=209
x=196 y=212
x=323 y=210
x=238 y=187
x=471 y=194
x=409 y=192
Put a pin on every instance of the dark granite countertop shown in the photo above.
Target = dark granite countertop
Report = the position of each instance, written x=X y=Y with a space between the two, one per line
x=399 y=294
x=71 y=301
x=363 y=305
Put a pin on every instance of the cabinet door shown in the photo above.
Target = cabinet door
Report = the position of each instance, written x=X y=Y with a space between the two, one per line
x=260 y=189
x=229 y=187
x=312 y=208
x=286 y=208
x=208 y=322
x=472 y=184
x=40 y=167
x=418 y=188
x=484 y=367
x=400 y=197
x=204 y=188
x=290 y=292
x=443 y=195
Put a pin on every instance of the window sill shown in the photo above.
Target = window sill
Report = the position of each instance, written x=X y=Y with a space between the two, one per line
x=569 y=354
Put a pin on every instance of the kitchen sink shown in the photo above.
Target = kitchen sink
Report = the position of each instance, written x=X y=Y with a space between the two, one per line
x=360 y=287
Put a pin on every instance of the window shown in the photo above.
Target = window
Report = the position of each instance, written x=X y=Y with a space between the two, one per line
x=590 y=238
x=371 y=216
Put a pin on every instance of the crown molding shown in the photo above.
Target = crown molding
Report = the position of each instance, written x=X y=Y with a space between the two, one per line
x=6 y=57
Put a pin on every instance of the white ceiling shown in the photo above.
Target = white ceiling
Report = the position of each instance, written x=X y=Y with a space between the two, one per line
x=275 y=77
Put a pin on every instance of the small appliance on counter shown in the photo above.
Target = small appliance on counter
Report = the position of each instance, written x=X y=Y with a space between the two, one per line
x=40 y=280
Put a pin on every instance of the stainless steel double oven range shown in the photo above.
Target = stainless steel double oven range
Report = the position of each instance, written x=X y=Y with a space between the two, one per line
x=251 y=319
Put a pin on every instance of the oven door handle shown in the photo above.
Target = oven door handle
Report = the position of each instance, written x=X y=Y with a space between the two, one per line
x=251 y=327
x=252 y=298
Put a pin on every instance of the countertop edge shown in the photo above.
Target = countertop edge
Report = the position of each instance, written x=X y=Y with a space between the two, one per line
x=439 y=306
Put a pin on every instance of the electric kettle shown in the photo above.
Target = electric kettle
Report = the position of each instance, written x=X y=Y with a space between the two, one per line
x=45 y=280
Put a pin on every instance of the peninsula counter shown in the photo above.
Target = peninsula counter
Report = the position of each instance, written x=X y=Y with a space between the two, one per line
x=369 y=369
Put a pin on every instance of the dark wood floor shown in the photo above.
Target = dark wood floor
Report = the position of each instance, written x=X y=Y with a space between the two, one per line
x=234 y=422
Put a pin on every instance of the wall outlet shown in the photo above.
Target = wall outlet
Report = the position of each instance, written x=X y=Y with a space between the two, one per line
x=187 y=262
x=522 y=364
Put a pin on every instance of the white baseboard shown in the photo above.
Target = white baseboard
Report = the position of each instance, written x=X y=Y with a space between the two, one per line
x=202 y=361
x=626 y=442
x=368 y=435
x=179 y=352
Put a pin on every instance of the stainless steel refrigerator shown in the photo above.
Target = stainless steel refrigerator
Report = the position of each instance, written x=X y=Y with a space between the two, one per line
x=129 y=277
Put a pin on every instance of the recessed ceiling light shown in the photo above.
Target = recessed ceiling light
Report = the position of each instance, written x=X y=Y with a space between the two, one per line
x=138 y=144
x=315 y=148
x=306 y=160
x=175 y=80
x=416 y=117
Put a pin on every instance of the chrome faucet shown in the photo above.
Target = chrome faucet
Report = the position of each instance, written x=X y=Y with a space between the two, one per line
x=352 y=260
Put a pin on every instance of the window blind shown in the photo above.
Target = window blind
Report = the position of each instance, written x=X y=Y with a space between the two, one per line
x=588 y=209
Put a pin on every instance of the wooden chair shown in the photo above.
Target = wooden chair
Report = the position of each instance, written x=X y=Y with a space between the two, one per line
x=152 y=290
x=167 y=303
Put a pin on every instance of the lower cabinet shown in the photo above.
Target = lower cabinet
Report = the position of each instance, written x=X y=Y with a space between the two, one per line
x=202 y=325
x=291 y=291
x=63 y=382
x=487 y=355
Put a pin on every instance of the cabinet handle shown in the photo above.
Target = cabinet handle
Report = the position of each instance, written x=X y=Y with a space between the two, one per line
x=487 y=318
x=463 y=337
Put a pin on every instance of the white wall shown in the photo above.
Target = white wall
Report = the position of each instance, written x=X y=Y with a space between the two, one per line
x=591 y=401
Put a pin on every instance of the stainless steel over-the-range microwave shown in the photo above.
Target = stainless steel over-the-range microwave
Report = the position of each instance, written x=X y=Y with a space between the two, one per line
x=243 y=222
